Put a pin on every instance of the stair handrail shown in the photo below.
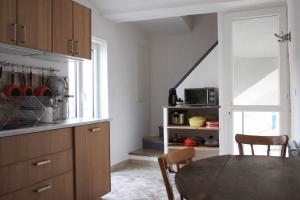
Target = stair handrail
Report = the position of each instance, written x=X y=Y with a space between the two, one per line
x=196 y=64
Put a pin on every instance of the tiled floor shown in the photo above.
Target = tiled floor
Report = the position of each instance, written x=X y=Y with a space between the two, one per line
x=138 y=181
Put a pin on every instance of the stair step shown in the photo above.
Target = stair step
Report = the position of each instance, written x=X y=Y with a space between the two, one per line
x=153 y=142
x=156 y=139
x=147 y=152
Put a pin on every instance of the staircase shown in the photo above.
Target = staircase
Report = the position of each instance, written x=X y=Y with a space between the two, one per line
x=153 y=146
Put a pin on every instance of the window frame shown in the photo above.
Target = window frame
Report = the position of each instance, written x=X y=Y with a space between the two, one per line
x=100 y=98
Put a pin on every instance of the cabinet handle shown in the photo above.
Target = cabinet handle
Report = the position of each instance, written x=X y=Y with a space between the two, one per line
x=41 y=163
x=13 y=32
x=42 y=189
x=95 y=129
x=23 y=34
x=71 y=46
x=76 y=47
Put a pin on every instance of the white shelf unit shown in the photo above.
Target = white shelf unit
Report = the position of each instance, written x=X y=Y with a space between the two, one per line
x=201 y=151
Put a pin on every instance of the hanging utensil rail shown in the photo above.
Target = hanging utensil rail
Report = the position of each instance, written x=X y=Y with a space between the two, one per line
x=8 y=64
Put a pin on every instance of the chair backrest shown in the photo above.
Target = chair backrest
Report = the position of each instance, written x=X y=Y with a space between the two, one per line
x=262 y=140
x=182 y=156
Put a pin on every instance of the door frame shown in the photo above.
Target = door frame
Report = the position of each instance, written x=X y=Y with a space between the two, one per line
x=225 y=71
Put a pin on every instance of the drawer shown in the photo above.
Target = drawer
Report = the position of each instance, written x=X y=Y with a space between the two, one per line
x=20 y=175
x=13 y=149
x=13 y=177
x=49 y=166
x=60 y=188
x=48 y=142
x=24 y=147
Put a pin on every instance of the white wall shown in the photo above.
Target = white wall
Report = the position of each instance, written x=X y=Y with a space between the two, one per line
x=201 y=76
x=128 y=110
x=172 y=56
x=294 y=53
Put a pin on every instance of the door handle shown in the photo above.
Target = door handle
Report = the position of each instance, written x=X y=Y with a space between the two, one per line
x=23 y=34
x=76 y=47
x=71 y=46
x=95 y=129
x=41 y=163
x=42 y=189
x=13 y=32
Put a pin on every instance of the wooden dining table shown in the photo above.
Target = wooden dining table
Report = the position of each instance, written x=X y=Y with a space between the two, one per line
x=233 y=177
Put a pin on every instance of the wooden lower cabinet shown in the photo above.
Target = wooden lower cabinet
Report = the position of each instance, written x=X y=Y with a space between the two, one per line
x=58 y=188
x=92 y=161
x=62 y=164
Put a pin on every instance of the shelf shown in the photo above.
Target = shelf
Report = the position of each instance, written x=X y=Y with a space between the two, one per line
x=192 y=107
x=198 y=148
x=192 y=128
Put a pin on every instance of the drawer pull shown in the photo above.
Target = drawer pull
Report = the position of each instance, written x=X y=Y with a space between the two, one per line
x=71 y=46
x=14 y=32
x=42 y=189
x=24 y=34
x=95 y=129
x=41 y=163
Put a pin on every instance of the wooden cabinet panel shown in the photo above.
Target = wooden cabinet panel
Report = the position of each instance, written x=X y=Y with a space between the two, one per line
x=82 y=31
x=63 y=27
x=48 y=142
x=13 y=149
x=8 y=21
x=92 y=160
x=60 y=188
x=13 y=177
x=35 y=24
x=49 y=166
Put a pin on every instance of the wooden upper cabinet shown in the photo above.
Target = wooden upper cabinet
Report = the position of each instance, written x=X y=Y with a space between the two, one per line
x=92 y=161
x=35 y=24
x=82 y=31
x=63 y=27
x=8 y=21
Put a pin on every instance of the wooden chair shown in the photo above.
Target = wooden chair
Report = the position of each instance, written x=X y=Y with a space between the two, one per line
x=262 y=140
x=183 y=156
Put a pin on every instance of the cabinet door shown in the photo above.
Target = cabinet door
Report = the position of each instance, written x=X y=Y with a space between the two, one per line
x=35 y=24
x=63 y=27
x=8 y=21
x=82 y=31
x=92 y=160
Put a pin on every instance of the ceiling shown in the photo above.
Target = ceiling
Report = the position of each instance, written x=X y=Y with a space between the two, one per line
x=136 y=10
x=167 y=26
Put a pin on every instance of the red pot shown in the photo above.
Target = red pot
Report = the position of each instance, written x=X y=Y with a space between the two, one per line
x=190 y=142
x=12 y=89
x=42 y=90
x=26 y=90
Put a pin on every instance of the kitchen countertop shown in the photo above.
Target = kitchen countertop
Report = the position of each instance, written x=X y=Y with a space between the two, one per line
x=51 y=126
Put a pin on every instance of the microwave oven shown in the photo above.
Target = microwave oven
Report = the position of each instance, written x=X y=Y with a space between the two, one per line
x=201 y=96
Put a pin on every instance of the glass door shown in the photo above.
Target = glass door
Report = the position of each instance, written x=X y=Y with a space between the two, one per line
x=258 y=70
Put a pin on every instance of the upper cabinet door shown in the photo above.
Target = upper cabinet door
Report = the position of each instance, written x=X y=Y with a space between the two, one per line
x=63 y=27
x=82 y=31
x=35 y=24
x=8 y=21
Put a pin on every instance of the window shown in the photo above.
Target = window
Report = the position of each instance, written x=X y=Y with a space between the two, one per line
x=88 y=83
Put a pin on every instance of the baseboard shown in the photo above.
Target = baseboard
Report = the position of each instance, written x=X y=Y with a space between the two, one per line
x=142 y=158
x=144 y=162
x=119 y=165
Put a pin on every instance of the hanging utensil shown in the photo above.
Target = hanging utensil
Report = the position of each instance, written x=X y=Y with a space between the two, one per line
x=12 y=89
x=26 y=90
x=1 y=69
x=43 y=90
x=57 y=85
